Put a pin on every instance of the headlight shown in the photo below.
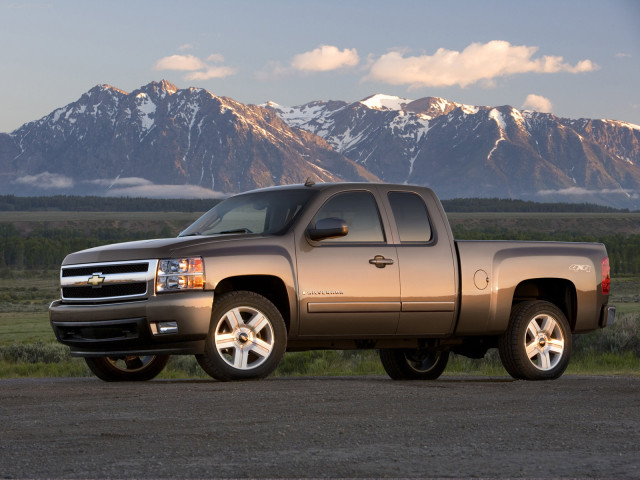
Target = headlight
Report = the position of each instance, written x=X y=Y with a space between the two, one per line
x=180 y=274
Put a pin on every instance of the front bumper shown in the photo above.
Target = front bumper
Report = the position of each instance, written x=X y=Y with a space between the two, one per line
x=131 y=328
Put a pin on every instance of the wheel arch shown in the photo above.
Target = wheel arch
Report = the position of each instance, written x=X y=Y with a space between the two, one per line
x=269 y=286
x=558 y=291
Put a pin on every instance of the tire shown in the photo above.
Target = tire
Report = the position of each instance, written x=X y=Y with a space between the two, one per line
x=414 y=364
x=129 y=368
x=246 y=340
x=537 y=343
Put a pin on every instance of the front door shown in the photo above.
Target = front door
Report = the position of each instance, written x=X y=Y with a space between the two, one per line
x=349 y=286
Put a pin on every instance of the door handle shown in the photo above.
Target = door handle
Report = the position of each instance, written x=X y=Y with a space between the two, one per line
x=380 y=262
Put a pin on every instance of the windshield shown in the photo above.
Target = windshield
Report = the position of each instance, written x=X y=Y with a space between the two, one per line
x=268 y=212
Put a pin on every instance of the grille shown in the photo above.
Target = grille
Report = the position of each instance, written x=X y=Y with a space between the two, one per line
x=110 y=281
x=106 y=269
x=122 y=290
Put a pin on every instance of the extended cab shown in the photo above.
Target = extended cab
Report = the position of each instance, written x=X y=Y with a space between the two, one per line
x=328 y=266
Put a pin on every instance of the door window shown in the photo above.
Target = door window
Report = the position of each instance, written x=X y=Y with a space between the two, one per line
x=411 y=217
x=360 y=211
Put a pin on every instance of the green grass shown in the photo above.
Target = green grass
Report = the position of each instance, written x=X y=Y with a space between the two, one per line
x=28 y=347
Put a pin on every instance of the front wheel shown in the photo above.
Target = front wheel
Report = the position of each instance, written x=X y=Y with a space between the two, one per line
x=414 y=364
x=246 y=340
x=537 y=343
x=129 y=368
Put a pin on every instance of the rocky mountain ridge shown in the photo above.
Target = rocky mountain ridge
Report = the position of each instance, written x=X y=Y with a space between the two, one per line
x=160 y=140
x=465 y=151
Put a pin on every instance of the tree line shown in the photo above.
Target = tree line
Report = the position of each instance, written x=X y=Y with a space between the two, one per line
x=44 y=248
x=71 y=203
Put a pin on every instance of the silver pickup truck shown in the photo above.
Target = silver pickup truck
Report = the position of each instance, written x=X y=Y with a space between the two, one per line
x=328 y=266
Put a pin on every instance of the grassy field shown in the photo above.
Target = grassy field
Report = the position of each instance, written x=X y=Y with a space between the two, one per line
x=28 y=346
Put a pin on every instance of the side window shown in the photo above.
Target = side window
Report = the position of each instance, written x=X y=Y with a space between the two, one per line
x=360 y=211
x=411 y=217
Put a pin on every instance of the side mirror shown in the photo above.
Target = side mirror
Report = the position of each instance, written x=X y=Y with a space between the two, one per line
x=328 y=228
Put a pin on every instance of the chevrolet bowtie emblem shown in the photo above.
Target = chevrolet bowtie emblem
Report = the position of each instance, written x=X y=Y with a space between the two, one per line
x=95 y=280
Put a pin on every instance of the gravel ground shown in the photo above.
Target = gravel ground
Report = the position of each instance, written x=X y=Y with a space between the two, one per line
x=577 y=426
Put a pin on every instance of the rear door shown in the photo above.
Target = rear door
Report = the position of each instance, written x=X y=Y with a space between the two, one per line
x=427 y=269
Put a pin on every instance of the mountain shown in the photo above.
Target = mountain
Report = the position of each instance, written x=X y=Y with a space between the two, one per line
x=478 y=151
x=163 y=141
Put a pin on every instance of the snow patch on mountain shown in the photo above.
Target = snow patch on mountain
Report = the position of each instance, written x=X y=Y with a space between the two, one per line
x=380 y=101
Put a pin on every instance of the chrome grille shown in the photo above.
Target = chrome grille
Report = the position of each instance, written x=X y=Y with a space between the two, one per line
x=110 y=281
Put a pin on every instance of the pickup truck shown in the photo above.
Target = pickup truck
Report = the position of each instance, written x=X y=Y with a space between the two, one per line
x=328 y=266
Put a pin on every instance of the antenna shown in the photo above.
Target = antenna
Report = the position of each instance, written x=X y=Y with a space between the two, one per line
x=309 y=182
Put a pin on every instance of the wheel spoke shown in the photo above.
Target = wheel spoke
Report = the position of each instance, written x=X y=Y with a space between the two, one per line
x=544 y=360
x=532 y=349
x=133 y=362
x=548 y=326
x=556 y=346
x=258 y=322
x=241 y=358
x=234 y=319
x=262 y=348
x=533 y=328
x=225 y=340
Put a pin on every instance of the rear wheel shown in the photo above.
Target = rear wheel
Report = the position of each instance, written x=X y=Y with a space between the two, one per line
x=537 y=343
x=414 y=364
x=129 y=368
x=246 y=340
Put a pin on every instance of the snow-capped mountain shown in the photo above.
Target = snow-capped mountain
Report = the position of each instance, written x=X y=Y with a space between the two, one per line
x=160 y=140
x=110 y=141
x=465 y=151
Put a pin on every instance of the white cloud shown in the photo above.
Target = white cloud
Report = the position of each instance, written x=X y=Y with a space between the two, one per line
x=179 y=62
x=623 y=55
x=186 y=46
x=165 y=191
x=580 y=191
x=200 y=70
x=46 y=180
x=538 y=103
x=325 y=58
x=477 y=62
x=211 y=72
x=120 y=181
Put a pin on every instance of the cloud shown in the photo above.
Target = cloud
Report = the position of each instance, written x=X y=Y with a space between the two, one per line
x=179 y=62
x=477 y=62
x=200 y=70
x=186 y=46
x=165 y=191
x=119 y=181
x=623 y=55
x=325 y=58
x=46 y=180
x=580 y=191
x=211 y=72
x=538 y=103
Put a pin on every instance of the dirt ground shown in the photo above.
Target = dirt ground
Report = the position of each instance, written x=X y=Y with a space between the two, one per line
x=321 y=427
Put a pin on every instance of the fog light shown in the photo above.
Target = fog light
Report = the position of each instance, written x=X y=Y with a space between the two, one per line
x=167 y=327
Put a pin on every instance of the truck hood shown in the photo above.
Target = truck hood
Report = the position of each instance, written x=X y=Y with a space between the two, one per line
x=146 y=249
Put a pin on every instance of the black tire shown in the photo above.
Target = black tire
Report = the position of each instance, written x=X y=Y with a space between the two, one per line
x=128 y=368
x=537 y=343
x=414 y=364
x=247 y=338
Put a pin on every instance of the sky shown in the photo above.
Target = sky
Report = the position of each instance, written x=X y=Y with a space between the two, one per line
x=572 y=58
